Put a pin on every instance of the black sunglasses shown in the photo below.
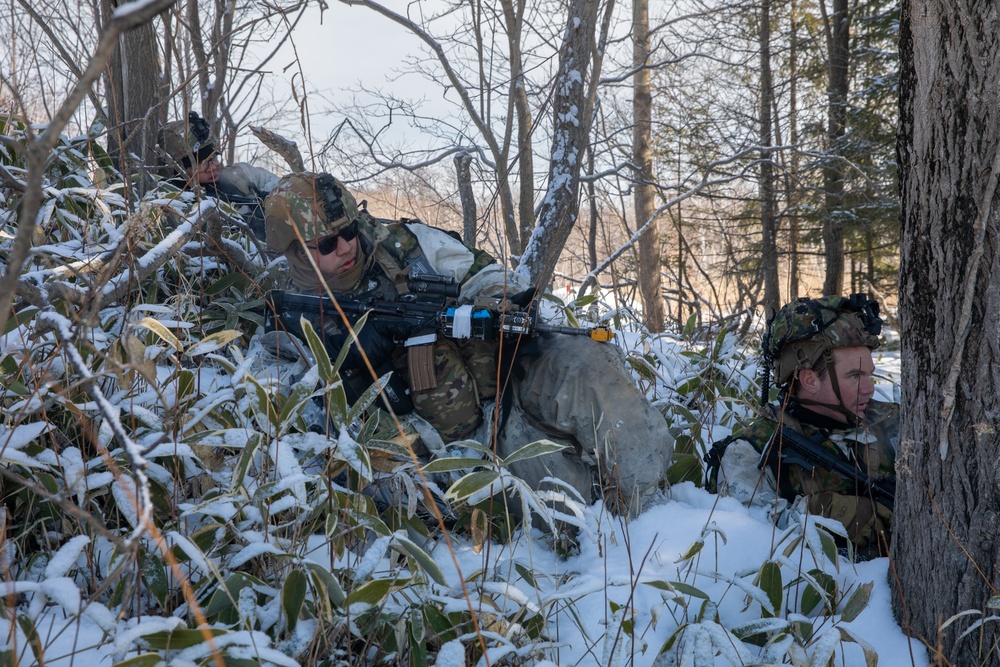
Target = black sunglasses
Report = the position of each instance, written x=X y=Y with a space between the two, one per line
x=329 y=244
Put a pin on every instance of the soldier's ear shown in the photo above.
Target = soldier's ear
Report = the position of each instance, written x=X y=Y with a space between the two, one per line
x=809 y=381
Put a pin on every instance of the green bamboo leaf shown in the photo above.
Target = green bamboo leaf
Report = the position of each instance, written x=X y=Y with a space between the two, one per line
x=175 y=640
x=829 y=548
x=689 y=326
x=677 y=587
x=418 y=645
x=473 y=445
x=327 y=583
x=144 y=660
x=244 y=461
x=427 y=564
x=222 y=606
x=163 y=332
x=532 y=450
x=374 y=591
x=526 y=574
x=857 y=602
x=154 y=575
x=20 y=317
x=689 y=386
x=224 y=283
x=692 y=550
x=291 y=406
x=813 y=597
x=641 y=366
x=471 y=483
x=769 y=581
x=358 y=325
x=293 y=596
x=367 y=398
x=759 y=626
x=261 y=402
x=31 y=635
x=367 y=521
x=668 y=645
x=326 y=372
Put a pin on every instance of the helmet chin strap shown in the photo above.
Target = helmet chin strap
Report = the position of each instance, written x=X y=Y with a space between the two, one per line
x=852 y=418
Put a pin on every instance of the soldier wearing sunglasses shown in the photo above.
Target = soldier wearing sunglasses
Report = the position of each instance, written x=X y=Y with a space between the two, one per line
x=570 y=389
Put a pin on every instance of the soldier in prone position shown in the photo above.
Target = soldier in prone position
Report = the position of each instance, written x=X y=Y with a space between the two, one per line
x=190 y=145
x=570 y=389
x=821 y=354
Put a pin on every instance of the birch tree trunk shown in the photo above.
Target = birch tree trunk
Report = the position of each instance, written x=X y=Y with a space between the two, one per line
x=572 y=109
x=946 y=543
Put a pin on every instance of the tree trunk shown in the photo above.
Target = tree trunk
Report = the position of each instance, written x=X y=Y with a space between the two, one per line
x=594 y=214
x=792 y=196
x=572 y=110
x=838 y=41
x=463 y=173
x=650 y=280
x=134 y=99
x=946 y=544
x=514 y=19
x=768 y=217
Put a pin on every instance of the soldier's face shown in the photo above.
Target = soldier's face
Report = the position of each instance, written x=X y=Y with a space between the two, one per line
x=854 y=368
x=207 y=170
x=340 y=260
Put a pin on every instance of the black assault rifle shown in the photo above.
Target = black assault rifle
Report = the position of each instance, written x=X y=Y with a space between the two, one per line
x=796 y=449
x=425 y=307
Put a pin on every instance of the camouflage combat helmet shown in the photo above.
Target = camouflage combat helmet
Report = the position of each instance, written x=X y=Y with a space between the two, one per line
x=188 y=142
x=317 y=205
x=804 y=332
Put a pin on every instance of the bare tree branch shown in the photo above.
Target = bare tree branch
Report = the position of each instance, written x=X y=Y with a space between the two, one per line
x=127 y=17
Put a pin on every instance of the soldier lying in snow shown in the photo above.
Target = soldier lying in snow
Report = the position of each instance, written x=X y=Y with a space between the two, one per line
x=190 y=145
x=569 y=389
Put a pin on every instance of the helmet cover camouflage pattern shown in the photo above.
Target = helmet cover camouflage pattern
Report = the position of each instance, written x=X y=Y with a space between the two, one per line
x=188 y=142
x=317 y=205
x=805 y=330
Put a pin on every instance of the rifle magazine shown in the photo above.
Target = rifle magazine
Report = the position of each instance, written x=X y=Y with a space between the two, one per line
x=420 y=362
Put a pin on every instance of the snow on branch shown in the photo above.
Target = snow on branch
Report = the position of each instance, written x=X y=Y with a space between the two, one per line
x=64 y=332
x=127 y=17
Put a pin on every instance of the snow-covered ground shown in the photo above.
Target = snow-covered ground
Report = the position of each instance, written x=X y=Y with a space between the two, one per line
x=619 y=565
x=631 y=585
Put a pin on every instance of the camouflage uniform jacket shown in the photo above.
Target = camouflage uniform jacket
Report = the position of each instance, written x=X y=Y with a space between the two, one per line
x=870 y=446
x=241 y=185
x=245 y=186
x=395 y=249
x=464 y=372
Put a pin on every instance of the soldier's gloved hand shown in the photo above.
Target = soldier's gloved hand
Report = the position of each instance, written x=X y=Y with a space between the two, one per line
x=525 y=297
x=378 y=340
x=520 y=301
